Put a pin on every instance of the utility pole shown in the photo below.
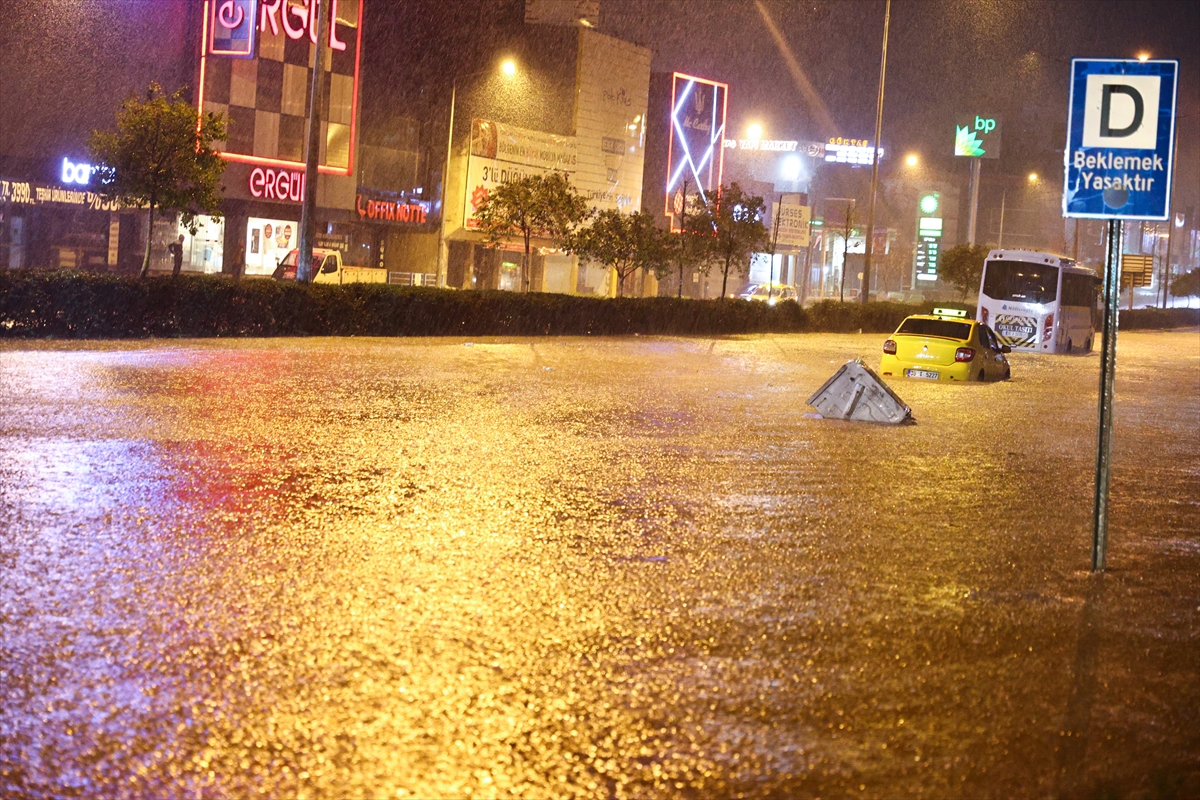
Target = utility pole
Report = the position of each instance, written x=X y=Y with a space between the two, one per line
x=866 y=281
x=1000 y=238
x=974 y=201
x=308 y=221
x=774 y=244
x=443 y=245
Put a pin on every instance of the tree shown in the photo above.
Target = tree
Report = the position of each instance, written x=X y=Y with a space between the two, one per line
x=691 y=245
x=533 y=205
x=625 y=243
x=160 y=157
x=893 y=266
x=737 y=218
x=1187 y=284
x=846 y=232
x=962 y=266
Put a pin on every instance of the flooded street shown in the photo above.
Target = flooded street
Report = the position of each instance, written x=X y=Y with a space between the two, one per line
x=369 y=568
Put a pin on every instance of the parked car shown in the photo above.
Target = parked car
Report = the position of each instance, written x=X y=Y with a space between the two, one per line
x=769 y=293
x=327 y=267
x=945 y=346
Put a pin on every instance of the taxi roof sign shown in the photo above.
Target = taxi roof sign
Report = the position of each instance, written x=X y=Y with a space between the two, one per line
x=949 y=312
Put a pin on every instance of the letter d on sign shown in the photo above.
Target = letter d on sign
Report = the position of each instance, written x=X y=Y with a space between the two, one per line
x=1121 y=111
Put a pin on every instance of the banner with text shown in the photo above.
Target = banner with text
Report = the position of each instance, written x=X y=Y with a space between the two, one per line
x=501 y=153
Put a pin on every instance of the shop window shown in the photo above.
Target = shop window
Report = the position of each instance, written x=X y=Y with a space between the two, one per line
x=267 y=242
x=295 y=90
x=336 y=152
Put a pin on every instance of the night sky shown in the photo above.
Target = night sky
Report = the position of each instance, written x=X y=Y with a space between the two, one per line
x=945 y=57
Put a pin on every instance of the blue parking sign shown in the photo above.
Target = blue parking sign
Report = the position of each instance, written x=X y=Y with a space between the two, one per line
x=1120 y=139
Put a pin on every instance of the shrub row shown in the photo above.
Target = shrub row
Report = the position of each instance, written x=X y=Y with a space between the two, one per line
x=78 y=306
x=1145 y=319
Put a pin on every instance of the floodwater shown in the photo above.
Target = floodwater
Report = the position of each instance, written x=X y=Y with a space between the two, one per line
x=369 y=568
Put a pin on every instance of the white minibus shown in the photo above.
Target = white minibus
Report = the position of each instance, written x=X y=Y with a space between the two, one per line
x=1038 y=302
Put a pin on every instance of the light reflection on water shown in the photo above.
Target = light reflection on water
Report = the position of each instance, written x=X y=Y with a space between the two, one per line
x=568 y=567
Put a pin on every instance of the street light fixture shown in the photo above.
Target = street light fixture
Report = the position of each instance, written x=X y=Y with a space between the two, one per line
x=1033 y=177
x=912 y=160
x=755 y=131
x=509 y=68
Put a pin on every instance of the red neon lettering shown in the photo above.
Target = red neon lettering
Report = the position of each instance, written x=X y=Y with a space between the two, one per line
x=312 y=19
x=257 y=179
x=300 y=14
x=229 y=15
x=270 y=9
x=277 y=184
x=334 y=42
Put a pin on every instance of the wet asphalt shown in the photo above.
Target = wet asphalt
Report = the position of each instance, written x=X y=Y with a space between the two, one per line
x=443 y=568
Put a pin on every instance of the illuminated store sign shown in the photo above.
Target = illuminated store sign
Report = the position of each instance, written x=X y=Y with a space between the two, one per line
x=930 y=226
x=765 y=145
x=232 y=28
x=696 y=151
x=841 y=150
x=77 y=173
x=297 y=19
x=411 y=212
x=37 y=194
x=277 y=184
x=977 y=136
x=252 y=71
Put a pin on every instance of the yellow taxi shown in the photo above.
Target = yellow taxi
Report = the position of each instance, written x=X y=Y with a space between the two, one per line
x=945 y=346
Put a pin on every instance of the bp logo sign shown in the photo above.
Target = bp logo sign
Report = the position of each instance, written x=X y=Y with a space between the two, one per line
x=977 y=135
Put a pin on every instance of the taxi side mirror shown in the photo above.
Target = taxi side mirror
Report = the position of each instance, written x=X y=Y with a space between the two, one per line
x=1005 y=348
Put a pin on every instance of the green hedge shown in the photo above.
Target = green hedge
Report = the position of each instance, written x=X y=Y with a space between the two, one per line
x=77 y=306
x=1144 y=319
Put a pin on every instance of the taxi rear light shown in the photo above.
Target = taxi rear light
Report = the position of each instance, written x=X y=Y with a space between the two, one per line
x=889 y=347
x=964 y=354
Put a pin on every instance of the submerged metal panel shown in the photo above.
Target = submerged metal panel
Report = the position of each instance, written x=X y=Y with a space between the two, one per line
x=855 y=392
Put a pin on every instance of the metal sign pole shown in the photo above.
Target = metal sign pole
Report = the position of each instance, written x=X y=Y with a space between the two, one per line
x=1108 y=361
x=312 y=157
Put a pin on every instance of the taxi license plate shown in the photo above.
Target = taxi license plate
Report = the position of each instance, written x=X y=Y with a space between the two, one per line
x=921 y=373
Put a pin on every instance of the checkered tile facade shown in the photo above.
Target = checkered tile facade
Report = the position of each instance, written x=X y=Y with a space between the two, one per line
x=265 y=99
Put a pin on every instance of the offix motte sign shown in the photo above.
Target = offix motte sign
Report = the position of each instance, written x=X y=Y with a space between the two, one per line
x=1120 y=139
x=977 y=135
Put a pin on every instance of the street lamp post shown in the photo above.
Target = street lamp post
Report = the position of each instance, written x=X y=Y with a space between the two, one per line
x=308 y=222
x=443 y=245
x=866 y=283
x=509 y=68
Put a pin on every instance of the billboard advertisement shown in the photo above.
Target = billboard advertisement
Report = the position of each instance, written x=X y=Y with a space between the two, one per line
x=696 y=149
x=792 y=223
x=501 y=153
